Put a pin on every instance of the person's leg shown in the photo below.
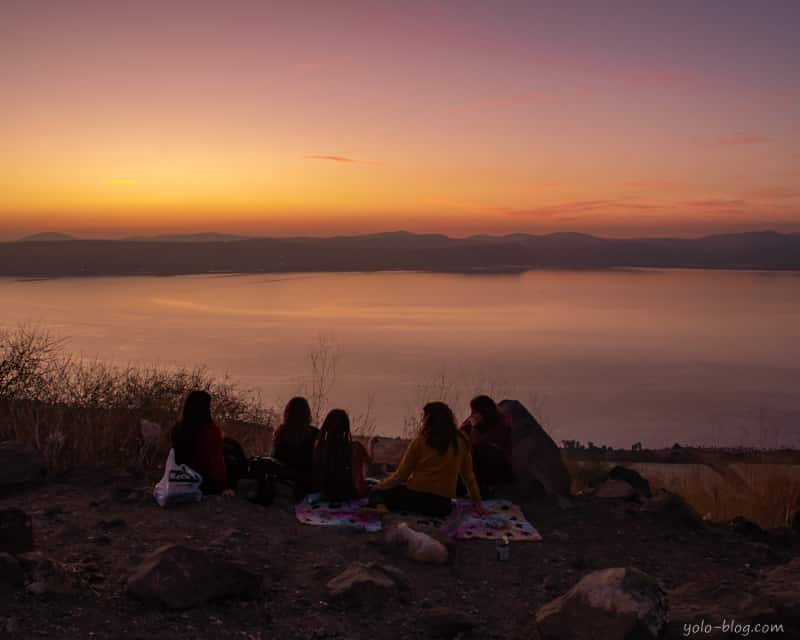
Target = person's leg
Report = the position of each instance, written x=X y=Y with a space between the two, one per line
x=401 y=498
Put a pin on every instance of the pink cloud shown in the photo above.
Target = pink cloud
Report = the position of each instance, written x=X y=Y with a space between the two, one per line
x=509 y=99
x=715 y=203
x=775 y=193
x=340 y=159
x=582 y=206
x=655 y=184
x=740 y=137
x=651 y=78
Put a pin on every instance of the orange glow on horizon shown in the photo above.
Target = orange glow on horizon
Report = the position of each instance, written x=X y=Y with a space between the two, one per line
x=446 y=117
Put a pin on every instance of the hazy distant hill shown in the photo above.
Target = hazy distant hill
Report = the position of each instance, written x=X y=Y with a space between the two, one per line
x=47 y=236
x=189 y=237
x=396 y=250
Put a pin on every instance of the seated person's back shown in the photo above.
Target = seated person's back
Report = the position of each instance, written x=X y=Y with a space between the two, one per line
x=198 y=443
x=338 y=460
x=293 y=444
x=427 y=477
x=489 y=432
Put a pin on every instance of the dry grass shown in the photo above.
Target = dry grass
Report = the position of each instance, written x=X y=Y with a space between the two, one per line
x=767 y=494
x=87 y=413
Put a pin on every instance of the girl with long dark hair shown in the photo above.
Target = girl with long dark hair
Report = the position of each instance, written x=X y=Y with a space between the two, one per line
x=489 y=433
x=293 y=444
x=425 y=481
x=339 y=460
x=198 y=443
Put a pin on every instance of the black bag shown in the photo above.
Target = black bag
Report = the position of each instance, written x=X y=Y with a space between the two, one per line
x=262 y=470
x=235 y=461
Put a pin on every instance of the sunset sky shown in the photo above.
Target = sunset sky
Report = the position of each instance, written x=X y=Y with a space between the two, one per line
x=276 y=118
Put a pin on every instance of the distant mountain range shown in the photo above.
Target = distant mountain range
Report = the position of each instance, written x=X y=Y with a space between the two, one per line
x=55 y=254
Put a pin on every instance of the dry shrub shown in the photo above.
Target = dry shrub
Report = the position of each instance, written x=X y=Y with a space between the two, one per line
x=768 y=494
x=87 y=413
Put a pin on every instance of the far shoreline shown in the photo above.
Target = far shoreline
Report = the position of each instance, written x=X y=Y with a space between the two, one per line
x=470 y=272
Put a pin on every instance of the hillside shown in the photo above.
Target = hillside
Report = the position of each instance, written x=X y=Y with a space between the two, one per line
x=36 y=257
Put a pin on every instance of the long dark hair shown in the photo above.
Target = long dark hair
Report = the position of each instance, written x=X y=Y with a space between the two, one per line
x=488 y=411
x=333 y=458
x=296 y=421
x=439 y=427
x=196 y=417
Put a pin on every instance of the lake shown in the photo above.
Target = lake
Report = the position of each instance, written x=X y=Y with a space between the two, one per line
x=613 y=357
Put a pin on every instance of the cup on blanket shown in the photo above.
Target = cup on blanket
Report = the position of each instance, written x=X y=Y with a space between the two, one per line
x=503 y=547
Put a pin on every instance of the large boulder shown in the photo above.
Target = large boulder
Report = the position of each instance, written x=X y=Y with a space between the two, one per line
x=179 y=577
x=16 y=531
x=368 y=584
x=536 y=459
x=613 y=604
x=20 y=464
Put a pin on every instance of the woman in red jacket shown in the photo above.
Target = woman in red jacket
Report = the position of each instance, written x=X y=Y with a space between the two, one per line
x=198 y=443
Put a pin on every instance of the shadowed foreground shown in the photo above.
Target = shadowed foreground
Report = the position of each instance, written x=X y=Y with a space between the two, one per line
x=102 y=525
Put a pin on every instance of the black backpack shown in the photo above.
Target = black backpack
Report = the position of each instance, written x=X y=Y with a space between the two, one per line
x=238 y=467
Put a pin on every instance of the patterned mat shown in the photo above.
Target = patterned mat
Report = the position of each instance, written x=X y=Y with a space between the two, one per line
x=504 y=519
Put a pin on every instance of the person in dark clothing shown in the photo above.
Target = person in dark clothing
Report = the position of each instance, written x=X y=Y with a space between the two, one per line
x=198 y=443
x=489 y=432
x=339 y=460
x=294 y=441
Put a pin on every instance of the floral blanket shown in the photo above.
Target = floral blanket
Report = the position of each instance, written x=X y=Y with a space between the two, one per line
x=503 y=519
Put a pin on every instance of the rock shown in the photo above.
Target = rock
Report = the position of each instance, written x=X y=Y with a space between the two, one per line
x=615 y=489
x=778 y=591
x=672 y=510
x=20 y=464
x=47 y=576
x=113 y=523
x=370 y=584
x=416 y=545
x=178 y=577
x=536 y=460
x=16 y=531
x=747 y=528
x=771 y=598
x=633 y=478
x=442 y=622
x=613 y=604
x=557 y=534
x=11 y=573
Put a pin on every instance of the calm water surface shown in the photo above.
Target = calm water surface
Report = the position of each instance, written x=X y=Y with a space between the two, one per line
x=614 y=357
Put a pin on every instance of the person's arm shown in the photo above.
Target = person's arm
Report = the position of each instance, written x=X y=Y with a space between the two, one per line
x=216 y=459
x=404 y=470
x=468 y=476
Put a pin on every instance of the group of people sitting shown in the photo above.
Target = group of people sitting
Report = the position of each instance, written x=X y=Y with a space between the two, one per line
x=441 y=462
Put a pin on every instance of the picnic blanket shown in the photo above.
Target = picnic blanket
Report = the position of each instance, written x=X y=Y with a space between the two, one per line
x=504 y=519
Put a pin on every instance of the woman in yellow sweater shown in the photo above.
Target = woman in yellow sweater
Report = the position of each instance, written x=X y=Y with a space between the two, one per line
x=425 y=482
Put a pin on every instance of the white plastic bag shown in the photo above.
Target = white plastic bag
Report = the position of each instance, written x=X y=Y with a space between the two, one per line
x=179 y=484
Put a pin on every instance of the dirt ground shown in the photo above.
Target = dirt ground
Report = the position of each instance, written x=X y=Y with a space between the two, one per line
x=98 y=527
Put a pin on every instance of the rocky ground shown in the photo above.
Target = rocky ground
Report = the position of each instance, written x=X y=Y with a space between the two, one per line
x=92 y=531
